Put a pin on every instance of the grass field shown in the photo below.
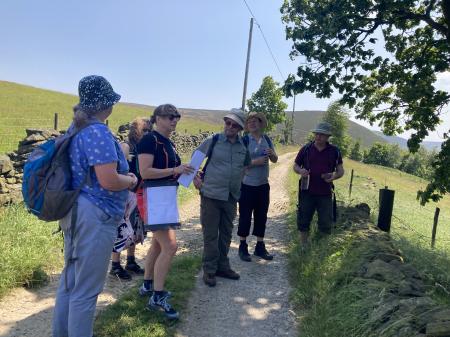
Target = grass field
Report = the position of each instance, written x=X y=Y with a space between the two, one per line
x=24 y=107
x=327 y=309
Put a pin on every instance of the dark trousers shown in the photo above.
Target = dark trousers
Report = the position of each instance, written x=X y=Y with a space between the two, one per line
x=254 y=200
x=307 y=205
x=217 y=218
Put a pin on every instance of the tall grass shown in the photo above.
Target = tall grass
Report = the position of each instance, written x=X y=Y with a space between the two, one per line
x=127 y=317
x=29 y=251
x=327 y=296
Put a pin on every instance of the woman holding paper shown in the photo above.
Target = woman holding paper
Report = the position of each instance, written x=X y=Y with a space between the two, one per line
x=160 y=166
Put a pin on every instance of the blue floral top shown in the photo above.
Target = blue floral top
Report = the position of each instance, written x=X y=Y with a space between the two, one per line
x=96 y=145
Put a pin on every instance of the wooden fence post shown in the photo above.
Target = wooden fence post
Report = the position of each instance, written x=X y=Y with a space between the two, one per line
x=435 y=223
x=351 y=185
x=55 y=121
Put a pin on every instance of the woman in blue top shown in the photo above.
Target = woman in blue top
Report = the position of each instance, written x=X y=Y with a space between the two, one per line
x=255 y=189
x=158 y=160
x=100 y=168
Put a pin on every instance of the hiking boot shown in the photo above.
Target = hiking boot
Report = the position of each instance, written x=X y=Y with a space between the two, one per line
x=243 y=252
x=161 y=303
x=229 y=274
x=120 y=273
x=261 y=251
x=135 y=268
x=209 y=279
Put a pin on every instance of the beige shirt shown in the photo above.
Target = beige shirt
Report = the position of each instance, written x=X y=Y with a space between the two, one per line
x=225 y=170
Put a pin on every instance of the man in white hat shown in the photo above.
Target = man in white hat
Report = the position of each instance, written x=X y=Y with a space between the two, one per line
x=220 y=190
x=318 y=163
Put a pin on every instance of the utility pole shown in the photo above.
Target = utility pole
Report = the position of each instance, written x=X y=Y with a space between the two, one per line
x=247 y=64
x=293 y=120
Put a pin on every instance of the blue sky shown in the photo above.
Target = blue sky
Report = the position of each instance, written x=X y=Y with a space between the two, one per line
x=189 y=53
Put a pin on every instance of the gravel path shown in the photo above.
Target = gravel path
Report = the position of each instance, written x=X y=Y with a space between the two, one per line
x=256 y=305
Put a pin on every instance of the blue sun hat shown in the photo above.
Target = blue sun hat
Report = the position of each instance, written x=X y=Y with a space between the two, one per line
x=96 y=94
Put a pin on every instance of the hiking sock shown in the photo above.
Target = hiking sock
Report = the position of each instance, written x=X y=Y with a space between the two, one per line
x=148 y=284
x=115 y=265
x=131 y=259
x=158 y=294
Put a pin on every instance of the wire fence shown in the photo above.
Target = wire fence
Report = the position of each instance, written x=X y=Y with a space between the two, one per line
x=409 y=218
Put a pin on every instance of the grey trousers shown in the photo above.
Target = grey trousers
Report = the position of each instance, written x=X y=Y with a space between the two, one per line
x=83 y=277
x=217 y=218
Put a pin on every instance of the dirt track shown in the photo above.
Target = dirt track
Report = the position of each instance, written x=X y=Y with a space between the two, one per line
x=256 y=305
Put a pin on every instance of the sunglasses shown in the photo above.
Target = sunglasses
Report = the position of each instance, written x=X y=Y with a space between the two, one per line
x=232 y=125
x=172 y=117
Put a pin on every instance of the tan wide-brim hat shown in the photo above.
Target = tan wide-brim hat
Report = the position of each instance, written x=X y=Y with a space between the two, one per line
x=262 y=118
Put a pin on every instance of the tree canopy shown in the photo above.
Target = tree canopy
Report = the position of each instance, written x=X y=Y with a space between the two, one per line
x=337 y=117
x=268 y=100
x=382 y=56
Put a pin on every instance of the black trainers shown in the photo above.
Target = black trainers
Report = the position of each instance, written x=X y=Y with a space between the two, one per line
x=120 y=273
x=209 y=279
x=229 y=274
x=243 y=252
x=261 y=251
x=161 y=303
x=135 y=268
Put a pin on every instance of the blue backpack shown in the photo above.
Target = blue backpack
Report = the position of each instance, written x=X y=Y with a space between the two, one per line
x=47 y=178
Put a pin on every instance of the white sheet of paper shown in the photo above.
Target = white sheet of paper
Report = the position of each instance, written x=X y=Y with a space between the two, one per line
x=162 y=207
x=196 y=161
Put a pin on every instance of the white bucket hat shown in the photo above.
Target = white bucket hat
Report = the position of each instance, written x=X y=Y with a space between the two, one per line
x=236 y=115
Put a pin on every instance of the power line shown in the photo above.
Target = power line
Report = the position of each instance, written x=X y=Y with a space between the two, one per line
x=265 y=40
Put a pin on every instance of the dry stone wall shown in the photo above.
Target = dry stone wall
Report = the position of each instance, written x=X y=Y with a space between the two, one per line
x=11 y=164
x=404 y=307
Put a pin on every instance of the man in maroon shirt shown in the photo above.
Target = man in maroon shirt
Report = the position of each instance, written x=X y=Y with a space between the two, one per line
x=318 y=163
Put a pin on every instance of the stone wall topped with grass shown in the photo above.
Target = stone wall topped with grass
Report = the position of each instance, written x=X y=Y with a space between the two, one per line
x=11 y=164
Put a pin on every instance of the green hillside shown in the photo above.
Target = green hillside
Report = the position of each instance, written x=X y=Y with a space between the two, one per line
x=24 y=107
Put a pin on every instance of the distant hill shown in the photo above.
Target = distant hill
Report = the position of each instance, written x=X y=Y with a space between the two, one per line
x=304 y=122
x=23 y=106
x=402 y=142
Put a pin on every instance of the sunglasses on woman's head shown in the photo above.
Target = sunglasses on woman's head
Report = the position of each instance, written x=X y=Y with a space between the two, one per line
x=232 y=125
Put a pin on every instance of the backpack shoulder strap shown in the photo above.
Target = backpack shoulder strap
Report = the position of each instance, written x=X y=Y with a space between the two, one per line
x=214 y=140
x=246 y=140
x=268 y=140
x=306 y=154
